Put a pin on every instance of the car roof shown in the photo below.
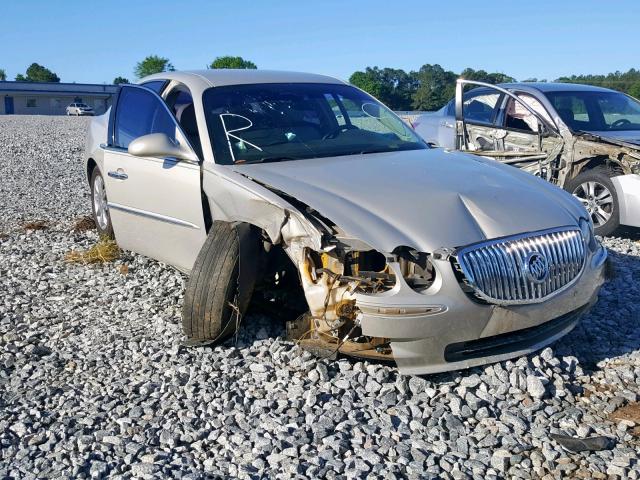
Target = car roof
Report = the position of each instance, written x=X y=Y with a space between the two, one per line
x=200 y=80
x=554 y=87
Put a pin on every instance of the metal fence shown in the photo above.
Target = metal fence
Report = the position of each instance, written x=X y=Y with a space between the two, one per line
x=409 y=116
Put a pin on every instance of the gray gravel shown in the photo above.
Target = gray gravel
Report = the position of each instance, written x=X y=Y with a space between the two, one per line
x=41 y=175
x=94 y=384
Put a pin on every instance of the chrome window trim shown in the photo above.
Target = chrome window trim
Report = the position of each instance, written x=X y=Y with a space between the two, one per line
x=498 y=267
x=152 y=215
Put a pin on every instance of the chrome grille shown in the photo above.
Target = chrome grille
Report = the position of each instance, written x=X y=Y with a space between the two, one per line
x=502 y=271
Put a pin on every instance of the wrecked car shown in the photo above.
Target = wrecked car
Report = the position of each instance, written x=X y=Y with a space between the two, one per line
x=255 y=181
x=582 y=138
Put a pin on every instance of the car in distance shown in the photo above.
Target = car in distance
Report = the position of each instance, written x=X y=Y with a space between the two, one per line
x=255 y=181
x=585 y=139
x=79 y=109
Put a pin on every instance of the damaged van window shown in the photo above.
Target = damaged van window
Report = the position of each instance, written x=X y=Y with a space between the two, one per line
x=278 y=122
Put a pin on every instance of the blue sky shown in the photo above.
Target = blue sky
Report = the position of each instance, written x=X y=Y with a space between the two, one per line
x=88 y=41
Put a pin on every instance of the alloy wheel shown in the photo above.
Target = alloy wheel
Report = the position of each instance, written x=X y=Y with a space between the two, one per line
x=597 y=199
x=100 y=207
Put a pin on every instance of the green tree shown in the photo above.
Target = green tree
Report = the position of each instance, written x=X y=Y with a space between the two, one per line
x=232 y=62
x=368 y=81
x=634 y=90
x=38 y=73
x=435 y=87
x=119 y=80
x=621 y=81
x=392 y=86
x=153 y=64
x=482 y=76
x=3 y=75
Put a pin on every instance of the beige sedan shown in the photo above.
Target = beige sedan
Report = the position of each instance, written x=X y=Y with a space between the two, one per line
x=308 y=197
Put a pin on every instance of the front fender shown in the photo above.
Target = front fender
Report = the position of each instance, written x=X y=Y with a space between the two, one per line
x=233 y=197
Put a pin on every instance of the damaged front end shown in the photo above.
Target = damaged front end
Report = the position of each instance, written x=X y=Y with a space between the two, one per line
x=449 y=309
x=429 y=311
x=341 y=276
x=339 y=284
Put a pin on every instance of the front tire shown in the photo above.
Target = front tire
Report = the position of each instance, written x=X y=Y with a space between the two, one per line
x=99 y=204
x=597 y=193
x=221 y=283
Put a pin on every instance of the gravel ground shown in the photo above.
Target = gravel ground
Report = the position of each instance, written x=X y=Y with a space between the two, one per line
x=93 y=382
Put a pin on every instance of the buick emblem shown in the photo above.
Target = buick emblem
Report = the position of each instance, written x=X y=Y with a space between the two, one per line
x=536 y=267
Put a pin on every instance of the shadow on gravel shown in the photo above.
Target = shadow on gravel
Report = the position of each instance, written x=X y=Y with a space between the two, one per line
x=611 y=328
x=631 y=233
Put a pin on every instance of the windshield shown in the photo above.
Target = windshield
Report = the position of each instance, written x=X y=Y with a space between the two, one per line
x=294 y=121
x=596 y=111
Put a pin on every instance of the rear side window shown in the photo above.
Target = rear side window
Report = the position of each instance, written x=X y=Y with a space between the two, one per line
x=139 y=112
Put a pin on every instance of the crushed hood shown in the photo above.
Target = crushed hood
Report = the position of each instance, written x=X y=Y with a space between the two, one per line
x=425 y=199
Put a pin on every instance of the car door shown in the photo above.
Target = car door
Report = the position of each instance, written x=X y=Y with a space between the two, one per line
x=517 y=131
x=155 y=203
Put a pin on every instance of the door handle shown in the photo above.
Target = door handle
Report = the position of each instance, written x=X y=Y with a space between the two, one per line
x=446 y=124
x=119 y=174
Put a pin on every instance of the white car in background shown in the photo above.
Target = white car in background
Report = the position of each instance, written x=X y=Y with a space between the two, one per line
x=79 y=109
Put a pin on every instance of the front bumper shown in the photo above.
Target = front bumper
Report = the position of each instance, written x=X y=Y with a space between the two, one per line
x=443 y=329
x=628 y=191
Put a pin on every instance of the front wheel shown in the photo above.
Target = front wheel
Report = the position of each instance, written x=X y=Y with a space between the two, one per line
x=597 y=193
x=100 y=206
x=220 y=284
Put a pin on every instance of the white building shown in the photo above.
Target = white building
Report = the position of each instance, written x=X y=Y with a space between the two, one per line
x=40 y=98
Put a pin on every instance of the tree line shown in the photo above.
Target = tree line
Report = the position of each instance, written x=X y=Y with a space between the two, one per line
x=428 y=88
x=431 y=87
x=148 y=66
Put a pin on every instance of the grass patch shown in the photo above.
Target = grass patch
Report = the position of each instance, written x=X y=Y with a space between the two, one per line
x=106 y=250
x=35 y=225
x=82 y=224
x=630 y=412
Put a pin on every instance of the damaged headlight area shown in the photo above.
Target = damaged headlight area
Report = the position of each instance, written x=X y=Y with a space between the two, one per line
x=332 y=279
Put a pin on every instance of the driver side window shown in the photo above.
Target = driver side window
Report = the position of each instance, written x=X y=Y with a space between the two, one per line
x=140 y=113
x=519 y=118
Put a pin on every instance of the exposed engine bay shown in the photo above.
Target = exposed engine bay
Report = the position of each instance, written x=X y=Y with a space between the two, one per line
x=331 y=281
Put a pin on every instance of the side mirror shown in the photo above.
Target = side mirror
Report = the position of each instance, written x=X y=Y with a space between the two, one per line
x=160 y=145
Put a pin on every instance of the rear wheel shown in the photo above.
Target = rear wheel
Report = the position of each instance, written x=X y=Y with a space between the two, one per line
x=221 y=283
x=597 y=193
x=100 y=206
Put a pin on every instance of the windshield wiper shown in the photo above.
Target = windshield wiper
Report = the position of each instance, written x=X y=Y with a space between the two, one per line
x=386 y=150
x=375 y=150
x=267 y=160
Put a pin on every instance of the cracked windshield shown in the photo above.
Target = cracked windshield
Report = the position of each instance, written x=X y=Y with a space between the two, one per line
x=277 y=122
